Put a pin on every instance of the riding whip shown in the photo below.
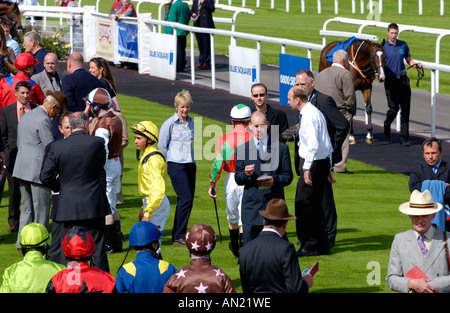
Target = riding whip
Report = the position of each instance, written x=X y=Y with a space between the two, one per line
x=217 y=214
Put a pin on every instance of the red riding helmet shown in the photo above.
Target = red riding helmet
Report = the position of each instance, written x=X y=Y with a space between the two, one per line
x=78 y=243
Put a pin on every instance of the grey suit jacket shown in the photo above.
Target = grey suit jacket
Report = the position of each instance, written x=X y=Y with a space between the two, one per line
x=34 y=133
x=44 y=82
x=405 y=254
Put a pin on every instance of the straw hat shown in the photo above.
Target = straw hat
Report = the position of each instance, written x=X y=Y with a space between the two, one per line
x=420 y=204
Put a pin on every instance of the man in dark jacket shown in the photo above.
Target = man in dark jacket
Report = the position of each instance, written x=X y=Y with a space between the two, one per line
x=269 y=264
x=263 y=167
x=79 y=160
x=338 y=128
x=201 y=13
x=433 y=174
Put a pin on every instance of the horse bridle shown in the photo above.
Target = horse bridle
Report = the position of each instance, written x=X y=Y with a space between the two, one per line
x=369 y=71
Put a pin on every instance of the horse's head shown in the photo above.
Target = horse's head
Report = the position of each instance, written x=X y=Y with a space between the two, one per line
x=377 y=57
x=13 y=14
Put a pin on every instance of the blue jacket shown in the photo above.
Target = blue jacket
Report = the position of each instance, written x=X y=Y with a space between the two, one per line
x=144 y=275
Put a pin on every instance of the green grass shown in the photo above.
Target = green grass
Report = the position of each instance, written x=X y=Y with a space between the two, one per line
x=367 y=201
x=367 y=204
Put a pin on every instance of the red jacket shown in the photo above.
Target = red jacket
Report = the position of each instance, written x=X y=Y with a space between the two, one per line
x=7 y=85
x=81 y=278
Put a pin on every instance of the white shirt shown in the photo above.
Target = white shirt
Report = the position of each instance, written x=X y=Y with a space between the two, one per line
x=314 y=143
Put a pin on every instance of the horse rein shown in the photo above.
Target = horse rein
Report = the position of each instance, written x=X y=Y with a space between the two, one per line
x=420 y=73
x=353 y=62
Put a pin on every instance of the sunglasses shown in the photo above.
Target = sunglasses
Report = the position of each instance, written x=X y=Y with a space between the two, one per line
x=260 y=95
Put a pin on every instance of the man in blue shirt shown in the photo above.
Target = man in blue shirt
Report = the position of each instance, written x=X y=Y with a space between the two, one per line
x=396 y=85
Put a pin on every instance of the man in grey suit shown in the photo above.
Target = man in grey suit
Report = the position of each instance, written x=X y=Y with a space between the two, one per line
x=49 y=79
x=9 y=119
x=34 y=133
x=418 y=260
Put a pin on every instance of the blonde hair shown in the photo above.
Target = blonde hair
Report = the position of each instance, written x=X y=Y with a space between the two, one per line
x=183 y=97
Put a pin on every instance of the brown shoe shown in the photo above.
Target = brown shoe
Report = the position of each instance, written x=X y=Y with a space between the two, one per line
x=198 y=65
x=179 y=242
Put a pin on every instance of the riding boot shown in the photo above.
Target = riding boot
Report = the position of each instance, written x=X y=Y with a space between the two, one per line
x=234 y=242
x=110 y=238
x=118 y=247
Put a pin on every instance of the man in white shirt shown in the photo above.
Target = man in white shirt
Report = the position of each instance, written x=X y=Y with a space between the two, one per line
x=315 y=158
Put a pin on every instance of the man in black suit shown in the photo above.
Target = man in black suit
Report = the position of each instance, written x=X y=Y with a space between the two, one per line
x=269 y=264
x=78 y=84
x=263 y=167
x=9 y=119
x=338 y=128
x=79 y=160
x=435 y=173
x=276 y=117
x=201 y=13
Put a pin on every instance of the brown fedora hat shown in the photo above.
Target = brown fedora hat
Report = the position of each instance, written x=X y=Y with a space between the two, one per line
x=59 y=97
x=276 y=210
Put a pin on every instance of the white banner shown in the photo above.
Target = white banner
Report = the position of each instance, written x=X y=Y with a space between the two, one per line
x=162 y=55
x=144 y=44
x=245 y=69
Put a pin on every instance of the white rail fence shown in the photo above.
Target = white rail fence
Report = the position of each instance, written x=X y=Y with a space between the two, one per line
x=434 y=67
x=371 y=6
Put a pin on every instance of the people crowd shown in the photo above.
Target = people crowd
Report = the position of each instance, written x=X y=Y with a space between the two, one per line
x=72 y=127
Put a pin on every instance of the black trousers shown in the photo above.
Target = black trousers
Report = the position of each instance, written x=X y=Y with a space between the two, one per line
x=310 y=223
x=182 y=176
x=398 y=96
x=14 y=198
x=95 y=226
x=204 y=48
x=181 y=53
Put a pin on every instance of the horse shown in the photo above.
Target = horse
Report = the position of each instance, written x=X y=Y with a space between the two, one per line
x=366 y=61
x=11 y=10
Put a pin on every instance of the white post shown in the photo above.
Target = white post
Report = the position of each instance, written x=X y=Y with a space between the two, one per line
x=213 y=63
x=319 y=6
x=420 y=7
x=433 y=103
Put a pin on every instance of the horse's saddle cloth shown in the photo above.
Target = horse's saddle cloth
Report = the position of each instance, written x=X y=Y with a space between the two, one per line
x=343 y=45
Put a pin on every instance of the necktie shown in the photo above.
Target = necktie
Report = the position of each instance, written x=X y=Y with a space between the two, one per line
x=434 y=168
x=22 y=111
x=422 y=246
x=55 y=84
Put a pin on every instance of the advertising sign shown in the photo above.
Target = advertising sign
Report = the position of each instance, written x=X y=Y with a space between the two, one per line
x=289 y=66
x=245 y=69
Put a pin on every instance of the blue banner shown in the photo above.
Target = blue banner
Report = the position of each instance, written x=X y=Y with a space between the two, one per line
x=289 y=66
x=128 y=40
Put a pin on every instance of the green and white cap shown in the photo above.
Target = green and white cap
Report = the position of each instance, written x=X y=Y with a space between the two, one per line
x=240 y=112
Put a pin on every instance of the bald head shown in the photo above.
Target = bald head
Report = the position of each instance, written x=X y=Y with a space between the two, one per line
x=50 y=62
x=74 y=61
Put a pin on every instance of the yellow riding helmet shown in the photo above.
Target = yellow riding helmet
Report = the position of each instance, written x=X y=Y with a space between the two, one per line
x=34 y=235
x=147 y=129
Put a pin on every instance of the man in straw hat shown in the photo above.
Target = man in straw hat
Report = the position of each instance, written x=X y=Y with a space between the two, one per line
x=269 y=263
x=418 y=260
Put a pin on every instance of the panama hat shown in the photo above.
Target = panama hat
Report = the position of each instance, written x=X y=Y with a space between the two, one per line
x=276 y=210
x=420 y=203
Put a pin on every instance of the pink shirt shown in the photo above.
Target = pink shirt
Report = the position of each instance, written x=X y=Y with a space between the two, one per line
x=27 y=109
